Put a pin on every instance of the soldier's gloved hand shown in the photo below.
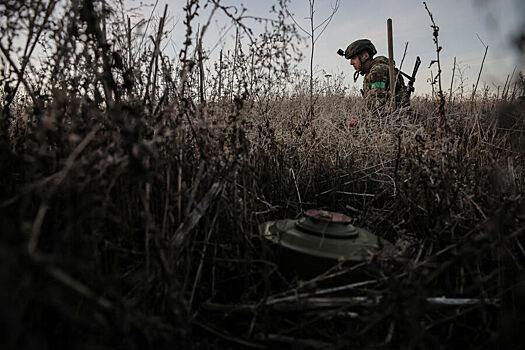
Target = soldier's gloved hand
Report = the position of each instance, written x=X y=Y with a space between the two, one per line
x=351 y=122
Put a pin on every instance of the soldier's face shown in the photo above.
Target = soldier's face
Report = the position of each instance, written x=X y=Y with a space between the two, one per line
x=354 y=61
x=357 y=63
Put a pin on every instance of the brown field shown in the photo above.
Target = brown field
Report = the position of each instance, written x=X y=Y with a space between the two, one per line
x=132 y=186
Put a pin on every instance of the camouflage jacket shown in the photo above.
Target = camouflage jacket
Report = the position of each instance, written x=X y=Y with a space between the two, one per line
x=376 y=86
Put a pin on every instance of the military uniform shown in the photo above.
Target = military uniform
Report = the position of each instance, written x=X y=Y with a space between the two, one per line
x=376 y=86
x=376 y=82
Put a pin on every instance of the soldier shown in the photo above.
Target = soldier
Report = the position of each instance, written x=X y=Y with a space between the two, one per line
x=376 y=82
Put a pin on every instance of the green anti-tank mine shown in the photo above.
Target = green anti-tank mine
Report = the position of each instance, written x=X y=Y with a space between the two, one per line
x=319 y=239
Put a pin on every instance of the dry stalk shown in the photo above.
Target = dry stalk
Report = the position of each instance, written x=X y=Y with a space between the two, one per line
x=314 y=35
x=441 y=97
x=479 y=74
x=452 y=82
x=154 y=60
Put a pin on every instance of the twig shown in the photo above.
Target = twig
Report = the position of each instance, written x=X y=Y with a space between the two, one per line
x=475 y=205
x=149 y=222
x=191 y=11
x=420 y=251
x=78 y=287
x=504 y=88
x=59 y=177
x=203 y=254
x=179 y=178
x=375 y=300
x=154 y=59
x=398 y=156
x=219 y=95
x=315 y=303
x=452 y=81
x=130 y=48
x=402 y=61
x=328 y=274
x=432 y=83
x=37 y=224
x=166 y=202
x=518 y=243
x=200 y=59
x=356 y=194
x=441 y=98
x=147 y=25
x=330 y=314
x=299 y=342
x=444 y=301
x=512 y=176
x=196 y=214
x=506 y=93
x=390 y=333
x=70 y=161
x=480 y=70
x=296 y=188
x=229 y=337
x=271 y=301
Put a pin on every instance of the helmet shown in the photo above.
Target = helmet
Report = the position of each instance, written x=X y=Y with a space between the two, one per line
x=359 y=46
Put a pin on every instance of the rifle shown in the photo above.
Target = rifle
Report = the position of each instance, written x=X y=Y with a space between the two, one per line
x=412 y=79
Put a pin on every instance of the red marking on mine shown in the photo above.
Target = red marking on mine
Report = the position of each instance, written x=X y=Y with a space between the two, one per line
x=328 y=216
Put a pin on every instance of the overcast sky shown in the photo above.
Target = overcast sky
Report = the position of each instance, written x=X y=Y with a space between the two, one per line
x=495 y=21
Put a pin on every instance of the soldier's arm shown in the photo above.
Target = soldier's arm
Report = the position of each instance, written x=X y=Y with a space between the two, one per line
x=377 y=89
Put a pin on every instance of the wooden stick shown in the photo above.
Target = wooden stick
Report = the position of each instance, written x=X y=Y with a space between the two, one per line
x=391 y=61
